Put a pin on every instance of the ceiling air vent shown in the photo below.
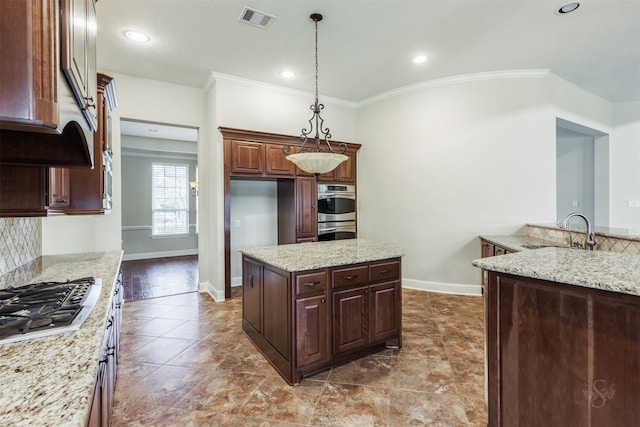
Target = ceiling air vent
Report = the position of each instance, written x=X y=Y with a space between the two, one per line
x=255 y=17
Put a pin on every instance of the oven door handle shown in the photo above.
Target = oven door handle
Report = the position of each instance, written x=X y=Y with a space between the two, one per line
x=338 y=195
x=327 y=230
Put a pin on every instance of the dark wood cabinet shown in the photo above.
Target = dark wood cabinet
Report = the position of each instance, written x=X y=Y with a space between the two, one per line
x=252 y=293
x=312 y=320
x=90 y=190
x=312 y=330
x=59 y=188
x=306 y=201
x=247 y=157
x=78 y=54
x=345 y=172
x=366 y=314
x=22 y=191
x=561 y=355
x=277 y=163
x=258 y=155
x=104 y=390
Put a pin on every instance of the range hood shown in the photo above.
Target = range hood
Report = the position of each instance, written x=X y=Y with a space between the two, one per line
x=70 y=149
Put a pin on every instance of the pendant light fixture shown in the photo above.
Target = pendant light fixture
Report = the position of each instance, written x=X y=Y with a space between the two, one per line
x=316 y=160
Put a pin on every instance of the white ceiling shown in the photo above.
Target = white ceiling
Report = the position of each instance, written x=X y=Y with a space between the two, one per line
x=366 y=46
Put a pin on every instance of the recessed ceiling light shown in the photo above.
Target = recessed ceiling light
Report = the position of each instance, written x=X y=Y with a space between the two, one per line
x=287 y=74
x=420 y=59
x=568 y=8
x=136 y=36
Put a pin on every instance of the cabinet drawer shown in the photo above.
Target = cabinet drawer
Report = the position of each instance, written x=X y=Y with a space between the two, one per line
x=343 y=277
x=311 y=283
x=385 y=271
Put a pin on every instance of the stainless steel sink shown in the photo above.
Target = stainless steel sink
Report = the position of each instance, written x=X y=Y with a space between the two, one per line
x=534 y=246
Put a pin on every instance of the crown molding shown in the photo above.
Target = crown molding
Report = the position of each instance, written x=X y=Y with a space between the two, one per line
x=215 y=76
x=465 y=78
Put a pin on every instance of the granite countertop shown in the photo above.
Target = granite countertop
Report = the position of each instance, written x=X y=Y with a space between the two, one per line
x=518 y=243
x=607 y=271
x=309 y=256
x=49 y=381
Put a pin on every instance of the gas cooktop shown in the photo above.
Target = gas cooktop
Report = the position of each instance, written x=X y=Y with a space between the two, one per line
x=47 y=308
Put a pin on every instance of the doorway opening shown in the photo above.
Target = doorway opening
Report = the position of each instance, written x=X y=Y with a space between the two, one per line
x=582 y=172
x=159 y=209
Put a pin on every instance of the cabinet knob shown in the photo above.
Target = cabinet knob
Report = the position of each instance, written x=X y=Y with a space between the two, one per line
x=351 y=277
x=374 y=290
x=312 y=283
x=385 y=271
x=366 y=291
x=323 y=300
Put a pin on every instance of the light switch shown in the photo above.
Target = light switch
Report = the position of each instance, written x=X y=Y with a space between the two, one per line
x=633 y=203
x=237 y=223
x=575 y=203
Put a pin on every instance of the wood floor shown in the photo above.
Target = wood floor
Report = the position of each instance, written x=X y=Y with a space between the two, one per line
x=159 y=277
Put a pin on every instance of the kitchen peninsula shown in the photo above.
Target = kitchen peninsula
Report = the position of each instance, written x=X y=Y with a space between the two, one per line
x=310 y=306
x=563 y=337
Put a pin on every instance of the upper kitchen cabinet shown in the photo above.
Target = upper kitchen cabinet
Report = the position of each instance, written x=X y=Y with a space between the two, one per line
x=89 y=190
x=78 y=54
x=41 y=122
x=345 y=172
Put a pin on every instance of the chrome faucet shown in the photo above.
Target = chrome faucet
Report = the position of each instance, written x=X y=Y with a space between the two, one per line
x=590 y=241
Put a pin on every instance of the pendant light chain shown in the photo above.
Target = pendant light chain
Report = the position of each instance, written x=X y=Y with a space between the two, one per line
x=316 y=160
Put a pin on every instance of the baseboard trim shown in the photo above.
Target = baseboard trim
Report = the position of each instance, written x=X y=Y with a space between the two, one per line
x=208 y=288
x=163 y=254
x=444 y=288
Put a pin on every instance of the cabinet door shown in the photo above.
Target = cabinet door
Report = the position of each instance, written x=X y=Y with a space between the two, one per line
x=22 y=191
x=384 y=311
x=561 y=355
x=277 y=163
x=306 y=208
x=312 y=330
x=78 y=54
x=345 y=172
x=488 y=249
x=251 y=293
x=350 y=323
x=59 y=188
x=247 y=157
x=276 y=320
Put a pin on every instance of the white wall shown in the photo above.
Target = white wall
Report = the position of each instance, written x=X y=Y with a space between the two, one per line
x=254 y=219
x=625 y=161
x=443 y=164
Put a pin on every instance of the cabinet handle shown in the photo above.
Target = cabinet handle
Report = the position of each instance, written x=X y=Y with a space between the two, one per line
x=90 y=102
x=351 y=277
x=312 y=283
x=366 y=291
x=385 y=271
x=323 y=300
x=374 y=290
x=251 y=280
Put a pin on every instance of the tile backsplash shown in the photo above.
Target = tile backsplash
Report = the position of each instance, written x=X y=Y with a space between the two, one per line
x=20 y=242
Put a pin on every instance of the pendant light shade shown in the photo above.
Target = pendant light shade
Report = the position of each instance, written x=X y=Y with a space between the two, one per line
x=317 y=162
x=316 y=159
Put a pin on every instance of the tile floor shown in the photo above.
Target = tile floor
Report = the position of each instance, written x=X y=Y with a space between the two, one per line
x=185 y=362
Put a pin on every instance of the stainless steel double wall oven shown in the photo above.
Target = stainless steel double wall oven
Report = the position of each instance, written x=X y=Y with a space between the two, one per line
x=336 y=211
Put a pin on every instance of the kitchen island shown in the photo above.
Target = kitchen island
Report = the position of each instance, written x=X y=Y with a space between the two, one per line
x=50 y=381
x=563 y=338
x=310 y=306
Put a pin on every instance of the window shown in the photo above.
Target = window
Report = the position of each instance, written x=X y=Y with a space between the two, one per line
x=170 y=199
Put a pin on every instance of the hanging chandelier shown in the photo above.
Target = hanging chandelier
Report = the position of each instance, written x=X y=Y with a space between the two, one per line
x=316 y=159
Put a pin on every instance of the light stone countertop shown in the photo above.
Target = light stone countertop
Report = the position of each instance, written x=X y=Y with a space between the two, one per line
x=517 y=243
x=309 y=256
x=607 y=271
x=49 y=381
